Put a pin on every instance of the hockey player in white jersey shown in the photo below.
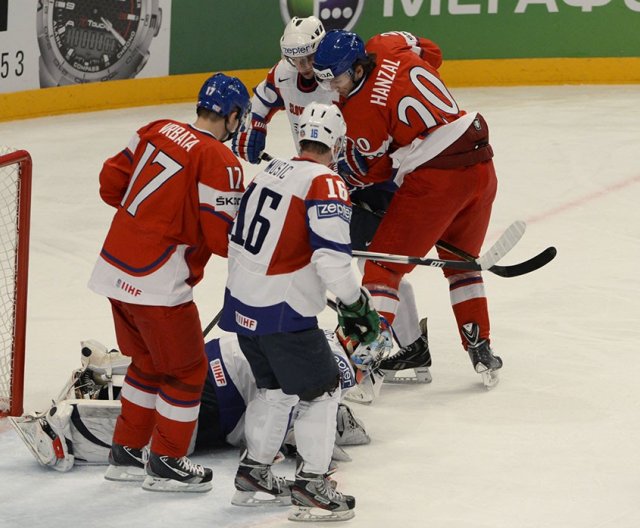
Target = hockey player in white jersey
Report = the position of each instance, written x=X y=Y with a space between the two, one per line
x=290 y=85
x=78 y=427
x=289 y=243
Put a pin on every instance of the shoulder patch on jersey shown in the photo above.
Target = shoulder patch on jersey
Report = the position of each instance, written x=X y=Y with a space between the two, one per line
x=218 y=373
x=333 y=209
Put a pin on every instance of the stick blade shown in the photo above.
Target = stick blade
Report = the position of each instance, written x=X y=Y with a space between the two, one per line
x=503 y=245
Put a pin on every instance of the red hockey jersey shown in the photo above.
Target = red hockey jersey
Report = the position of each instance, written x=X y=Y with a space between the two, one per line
x=400 y=103
x=176 y=189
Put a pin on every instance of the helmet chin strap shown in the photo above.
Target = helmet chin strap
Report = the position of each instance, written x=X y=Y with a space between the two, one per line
x=229 y=134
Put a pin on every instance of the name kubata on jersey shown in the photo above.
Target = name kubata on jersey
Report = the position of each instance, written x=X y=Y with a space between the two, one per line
x=329 y=210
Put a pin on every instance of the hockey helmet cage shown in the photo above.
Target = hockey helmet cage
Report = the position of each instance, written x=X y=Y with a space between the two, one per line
x=324 y=124
x=301 y=37
x=223 y=94
x=337 y=53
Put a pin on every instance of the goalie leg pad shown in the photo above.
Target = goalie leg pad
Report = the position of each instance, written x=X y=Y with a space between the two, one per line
x=48 y=437
x=350 y=430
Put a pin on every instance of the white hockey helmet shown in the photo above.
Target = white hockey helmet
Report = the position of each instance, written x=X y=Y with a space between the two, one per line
x=301 y=37
x=324 y=124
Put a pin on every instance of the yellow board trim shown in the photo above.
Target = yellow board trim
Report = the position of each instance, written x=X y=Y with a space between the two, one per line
x=183 y=88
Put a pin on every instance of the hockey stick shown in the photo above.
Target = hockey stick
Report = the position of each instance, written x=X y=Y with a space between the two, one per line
x=514 y=270
x=213 y=323
x=503 y=245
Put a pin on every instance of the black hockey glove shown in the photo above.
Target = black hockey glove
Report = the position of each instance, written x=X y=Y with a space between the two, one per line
x=359 y=320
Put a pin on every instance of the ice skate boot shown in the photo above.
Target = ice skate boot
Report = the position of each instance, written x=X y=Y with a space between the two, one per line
x=126 y=464
x=314 y=498
x=415 y=356
x=481 y=355
x=256 y=485
x=165 y=473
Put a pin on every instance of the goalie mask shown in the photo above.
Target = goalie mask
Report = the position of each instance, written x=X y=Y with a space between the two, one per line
x=323 y=124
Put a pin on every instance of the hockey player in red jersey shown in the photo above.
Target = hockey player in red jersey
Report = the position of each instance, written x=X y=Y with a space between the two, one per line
x=176 y=190
x=405 y=126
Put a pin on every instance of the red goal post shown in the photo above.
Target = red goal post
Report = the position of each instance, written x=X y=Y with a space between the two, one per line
x=15 y=205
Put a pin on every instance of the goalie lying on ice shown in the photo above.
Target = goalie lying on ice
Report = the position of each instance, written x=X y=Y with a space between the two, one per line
x=78 y=427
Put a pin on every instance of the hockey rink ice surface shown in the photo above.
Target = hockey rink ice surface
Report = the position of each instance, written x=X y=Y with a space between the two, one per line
x=555 y=445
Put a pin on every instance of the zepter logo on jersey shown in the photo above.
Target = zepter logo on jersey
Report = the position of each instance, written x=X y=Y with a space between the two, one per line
x=334 y=14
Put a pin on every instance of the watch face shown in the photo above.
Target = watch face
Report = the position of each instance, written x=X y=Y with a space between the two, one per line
x=92 y=35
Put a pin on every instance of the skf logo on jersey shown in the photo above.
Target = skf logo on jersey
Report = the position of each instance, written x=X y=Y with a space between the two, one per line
x=334 y=14
x=128 y=288
x=328 y=210
x=218 y=373
x=246 y=322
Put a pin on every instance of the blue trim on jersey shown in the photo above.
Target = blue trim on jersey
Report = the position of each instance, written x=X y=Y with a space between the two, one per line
x=278 y=103
x=318 y=242
x=262 y=320
x=231 y=405
x=209 y=209
x=128 y=154
x=107 y=256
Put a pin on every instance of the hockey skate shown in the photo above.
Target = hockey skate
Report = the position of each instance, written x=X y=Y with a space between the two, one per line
x=126 y=464
x=481 y=355
x=415 y=356
x=165 y=473
x=314 y=498
x=256 y=485
x=350 y=430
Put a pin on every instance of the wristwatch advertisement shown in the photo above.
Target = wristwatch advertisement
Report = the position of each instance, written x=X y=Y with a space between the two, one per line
x=85 y=41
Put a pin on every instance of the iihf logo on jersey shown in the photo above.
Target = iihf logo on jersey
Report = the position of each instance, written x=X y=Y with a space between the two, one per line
x=334 y=14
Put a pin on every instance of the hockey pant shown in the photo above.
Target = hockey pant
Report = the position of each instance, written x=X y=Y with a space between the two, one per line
x=161 y=391
x=449 y=204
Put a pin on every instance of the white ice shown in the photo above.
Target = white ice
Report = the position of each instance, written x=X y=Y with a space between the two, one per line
x=555 y=445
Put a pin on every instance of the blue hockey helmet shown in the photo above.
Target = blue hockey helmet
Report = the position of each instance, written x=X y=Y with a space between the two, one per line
x=336 y=54
x=223 y=94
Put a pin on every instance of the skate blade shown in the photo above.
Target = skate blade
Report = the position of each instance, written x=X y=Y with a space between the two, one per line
x=421 y=375
x=490 y=378
x=163 y=484
x=259 y=498
x=125 y=474
x=307 y=514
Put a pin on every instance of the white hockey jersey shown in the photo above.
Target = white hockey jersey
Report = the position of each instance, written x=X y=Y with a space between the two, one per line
x=289 y=243
x=285 y=89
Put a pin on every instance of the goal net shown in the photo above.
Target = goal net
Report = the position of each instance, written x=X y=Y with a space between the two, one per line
x=15 y=198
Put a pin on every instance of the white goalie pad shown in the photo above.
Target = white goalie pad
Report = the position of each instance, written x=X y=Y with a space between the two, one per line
x=70 y=432
x=367 y=389
x=48 y=437
x=349 y=429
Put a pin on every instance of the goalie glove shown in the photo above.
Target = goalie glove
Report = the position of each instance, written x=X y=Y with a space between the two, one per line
x=250 y=141
x=359 y=320
x=352 y=165
x=367 y=356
